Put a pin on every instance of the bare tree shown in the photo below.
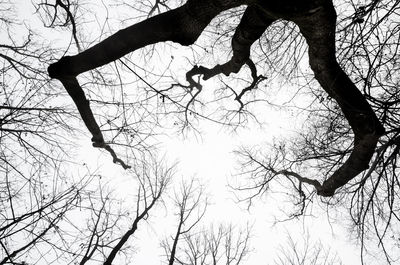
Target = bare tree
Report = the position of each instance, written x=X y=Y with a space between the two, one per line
x=224 y=244
x=305 y=252
x=348 y=147
x=191 y=204
x=153 y=182
x=366 y=47
x=317 y=23
x=25 y=228
x=83 y=223
x=36 y=193
x=344 y=130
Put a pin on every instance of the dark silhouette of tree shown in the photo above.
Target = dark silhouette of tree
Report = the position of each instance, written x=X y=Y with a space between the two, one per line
x=191 y=206
x=367 y=44
x=152 y=185
x=224 y=244
x=348 y=146
x=305 y=252
x=343 y=136
x=83 y=223
x=46 y=214
x=36 y=193
x=317 y=23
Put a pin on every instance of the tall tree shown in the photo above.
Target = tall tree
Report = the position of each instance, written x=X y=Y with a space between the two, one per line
x=343 y=135
x=348 y=146
x=317 y=23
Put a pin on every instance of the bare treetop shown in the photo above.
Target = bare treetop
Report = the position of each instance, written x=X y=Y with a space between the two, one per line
x=317 y=23
x=323 y=74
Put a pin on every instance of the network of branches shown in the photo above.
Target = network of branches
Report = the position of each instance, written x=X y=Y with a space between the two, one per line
x=124 y=73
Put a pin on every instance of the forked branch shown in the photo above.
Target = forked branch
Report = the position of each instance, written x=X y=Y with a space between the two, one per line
x=182 y=25
x=317 y=23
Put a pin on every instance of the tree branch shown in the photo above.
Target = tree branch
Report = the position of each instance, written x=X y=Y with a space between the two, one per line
x=319 y=31
x=182 y=25
x=252 y=25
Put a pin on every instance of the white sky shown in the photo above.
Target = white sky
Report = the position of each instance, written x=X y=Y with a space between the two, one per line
x=210 y=158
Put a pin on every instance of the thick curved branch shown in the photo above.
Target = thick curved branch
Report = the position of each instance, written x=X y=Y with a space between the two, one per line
x=301 y=179
x=182 y=25
x=252 y=25
x=319 y=31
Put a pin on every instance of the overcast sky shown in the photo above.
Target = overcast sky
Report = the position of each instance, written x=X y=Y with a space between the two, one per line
x=209 y=157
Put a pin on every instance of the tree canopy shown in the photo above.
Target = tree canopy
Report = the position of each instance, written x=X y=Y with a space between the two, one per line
x=340 y=57
x=317 y=23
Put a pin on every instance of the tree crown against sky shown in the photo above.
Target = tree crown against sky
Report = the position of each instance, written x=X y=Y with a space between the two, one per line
x=317 y=23
x=348 y=148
